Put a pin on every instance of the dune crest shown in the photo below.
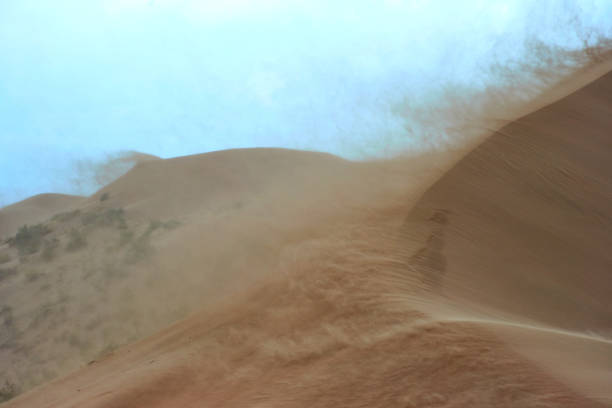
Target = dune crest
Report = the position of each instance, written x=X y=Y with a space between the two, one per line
x=333 y=283
x=34 y=210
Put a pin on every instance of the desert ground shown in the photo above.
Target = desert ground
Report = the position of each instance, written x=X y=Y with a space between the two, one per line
x=477 y=277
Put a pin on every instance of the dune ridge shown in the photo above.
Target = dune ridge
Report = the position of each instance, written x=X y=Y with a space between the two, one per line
x=452 y=279
x=34 y=210
x=417 y=287
x=532 y=255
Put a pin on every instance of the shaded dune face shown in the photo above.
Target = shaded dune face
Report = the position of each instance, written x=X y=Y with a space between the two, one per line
x=524 y=221
x=481 y=295
x=522 y=247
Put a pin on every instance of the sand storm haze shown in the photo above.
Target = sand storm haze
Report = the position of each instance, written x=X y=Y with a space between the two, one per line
x=462 y=261
x=323 y=282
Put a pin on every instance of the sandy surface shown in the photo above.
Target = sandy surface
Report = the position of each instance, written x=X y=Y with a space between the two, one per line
x=34 y=210
x=523 y=243
x=331 y=283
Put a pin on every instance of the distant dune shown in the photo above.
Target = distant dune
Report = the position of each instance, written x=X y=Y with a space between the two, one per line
x=315 y=281
x=41 y=207
x=184 y=185
x=167 y=239
x=34 y=210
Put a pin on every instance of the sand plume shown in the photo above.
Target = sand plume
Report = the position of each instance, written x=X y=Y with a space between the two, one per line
x=327 y=282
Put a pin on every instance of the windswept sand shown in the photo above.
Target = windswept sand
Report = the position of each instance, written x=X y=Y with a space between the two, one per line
x=525 y=238
x=34 y=210
x=329 y=283
x=172 y=237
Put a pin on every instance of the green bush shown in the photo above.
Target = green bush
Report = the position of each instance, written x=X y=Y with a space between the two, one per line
x=8 y=391
x=104 y=197
x=111 y=216
x=65 y=216
x=153 y=225
x=141 y=247
x=89 y=218
x=172 y=224
x=49 y=246
x=29 y=239
x=76 y=240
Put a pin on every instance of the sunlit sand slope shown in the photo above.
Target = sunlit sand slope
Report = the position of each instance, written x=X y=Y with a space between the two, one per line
x=170 y=238
x=520 y=232
x=486 y=294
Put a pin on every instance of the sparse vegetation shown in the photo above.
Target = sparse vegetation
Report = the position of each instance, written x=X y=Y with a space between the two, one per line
x=112 y=271
x=139 y=249
x=49 y=247
x=154 y=224
x=6 y=313
x=168 y=225
x=125 y=236
x=108 y=217
x=66 y=216
x=141 y=246
x=106 y=351
x=89 y=218
x=7 y=273
x=104 y=197
x=113 y=216
x=122 y=225
x=29 y=239
x=76 y=240
x=172 y=224
x=99 y=230
x=7 y=328
x=8 y=391
x=32 y=275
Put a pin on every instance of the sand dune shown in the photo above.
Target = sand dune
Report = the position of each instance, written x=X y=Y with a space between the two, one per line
x=169 y=238
x=528 y=214
x=332 y=283
x=34 y=210
x=526 y=227
x=183 y=185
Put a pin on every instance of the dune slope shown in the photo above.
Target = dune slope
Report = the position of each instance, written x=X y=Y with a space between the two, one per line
x=167 y=239
x=491 y=291
x=522 y=246
x=529 y=214
x=34 y=210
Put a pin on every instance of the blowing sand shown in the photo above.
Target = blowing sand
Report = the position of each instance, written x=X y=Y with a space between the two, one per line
x=34 y=210
x=314 y=281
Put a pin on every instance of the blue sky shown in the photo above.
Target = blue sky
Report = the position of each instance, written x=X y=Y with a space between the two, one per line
x=82 y=80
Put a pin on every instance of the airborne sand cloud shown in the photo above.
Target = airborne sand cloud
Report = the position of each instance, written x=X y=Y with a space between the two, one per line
x=352 y=78
x=463 y=278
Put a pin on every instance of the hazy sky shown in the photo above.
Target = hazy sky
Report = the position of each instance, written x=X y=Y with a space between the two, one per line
x=83 y=79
